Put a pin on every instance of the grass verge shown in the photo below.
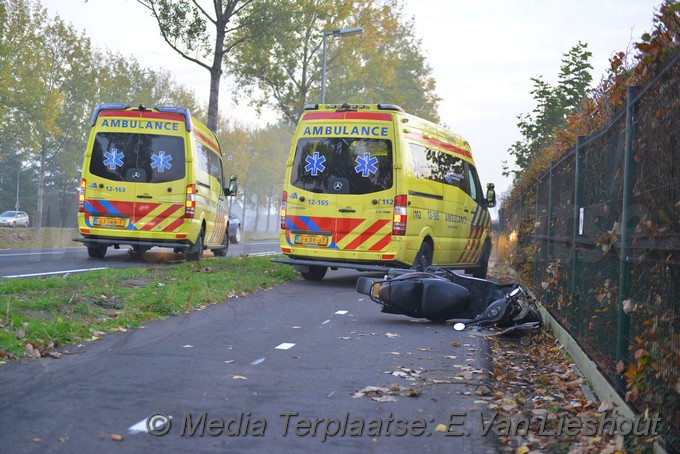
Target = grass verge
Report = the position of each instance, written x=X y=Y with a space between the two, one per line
x=39 y=315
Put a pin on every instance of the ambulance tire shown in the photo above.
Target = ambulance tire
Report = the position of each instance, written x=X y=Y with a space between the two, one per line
x=222 y=252
x=195 y=252
x=96 y=252
x=315 y=273
x=423 y=257
x=483 y=265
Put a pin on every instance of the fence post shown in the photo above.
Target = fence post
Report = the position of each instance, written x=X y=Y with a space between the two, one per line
x=623 y=325
x=577 y=322
x=537 y=249
x=548 y=252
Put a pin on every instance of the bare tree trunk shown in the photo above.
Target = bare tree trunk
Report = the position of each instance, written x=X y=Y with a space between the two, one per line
x=257 y=213
x=37 y=222
x=243 y=211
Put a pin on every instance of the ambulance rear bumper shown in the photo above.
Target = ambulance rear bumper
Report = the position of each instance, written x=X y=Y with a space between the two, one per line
x=131 y=242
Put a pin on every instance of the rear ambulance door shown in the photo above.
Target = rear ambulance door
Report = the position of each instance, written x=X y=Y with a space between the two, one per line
x=341 y=183
x=136 y=179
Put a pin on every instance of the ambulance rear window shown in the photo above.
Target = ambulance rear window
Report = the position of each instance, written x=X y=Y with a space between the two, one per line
x=139 y=158
x=343 y=165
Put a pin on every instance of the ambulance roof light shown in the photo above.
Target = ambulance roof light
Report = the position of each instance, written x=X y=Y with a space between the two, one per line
x=106 y=106
x=180 y=110
x=390 y=107
x=311 y=107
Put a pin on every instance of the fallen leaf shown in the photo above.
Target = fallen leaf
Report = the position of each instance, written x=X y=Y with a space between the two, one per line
x=440 y=428
x=116 y=437
x=238 y=377
x=482 y=391
x=629 y=306
x=391 y=335
x=31 y=351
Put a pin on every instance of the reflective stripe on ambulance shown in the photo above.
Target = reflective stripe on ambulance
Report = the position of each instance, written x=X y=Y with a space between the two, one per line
x=144 y=218
x=349 y=234
x=481 y=222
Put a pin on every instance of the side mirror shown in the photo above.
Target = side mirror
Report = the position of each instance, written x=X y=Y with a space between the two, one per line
x=490 y=195
x=232 y=189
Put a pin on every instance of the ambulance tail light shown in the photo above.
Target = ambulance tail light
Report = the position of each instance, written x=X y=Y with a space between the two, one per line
x=284 y=209
x=81 y=195
x=399 y=217
x=190 y=204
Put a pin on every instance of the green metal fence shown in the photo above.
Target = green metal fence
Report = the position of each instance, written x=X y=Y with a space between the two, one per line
x=599 y=236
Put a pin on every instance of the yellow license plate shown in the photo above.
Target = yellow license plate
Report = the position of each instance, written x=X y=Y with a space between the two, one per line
x=312 y=240
x=110 y=222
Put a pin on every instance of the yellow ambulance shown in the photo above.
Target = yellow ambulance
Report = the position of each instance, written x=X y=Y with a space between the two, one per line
x=370 y=186
x=153 y=177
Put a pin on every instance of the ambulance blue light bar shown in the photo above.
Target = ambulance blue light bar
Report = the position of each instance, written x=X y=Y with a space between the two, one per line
x=180 y=110
x=109 y=106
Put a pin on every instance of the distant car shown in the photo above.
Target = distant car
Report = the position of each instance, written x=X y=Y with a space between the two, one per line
x=13 y=219
x=234 y=229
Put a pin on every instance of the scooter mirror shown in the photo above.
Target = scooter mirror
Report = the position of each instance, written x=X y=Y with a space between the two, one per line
x=459 y=326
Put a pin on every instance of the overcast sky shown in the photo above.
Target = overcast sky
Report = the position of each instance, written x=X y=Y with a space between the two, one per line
x=483 y=54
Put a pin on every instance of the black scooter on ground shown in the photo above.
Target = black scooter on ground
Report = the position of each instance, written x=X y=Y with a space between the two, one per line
x=439 y=294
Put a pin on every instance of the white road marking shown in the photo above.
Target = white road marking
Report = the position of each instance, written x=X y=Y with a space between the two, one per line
x=341 y=312
x=139 y=427
x=257 y=361
x=54 y=272
x=327 y=321
x=284 y=346
x=31 y=253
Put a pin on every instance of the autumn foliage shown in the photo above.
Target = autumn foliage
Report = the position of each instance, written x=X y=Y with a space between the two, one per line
x=631 y=68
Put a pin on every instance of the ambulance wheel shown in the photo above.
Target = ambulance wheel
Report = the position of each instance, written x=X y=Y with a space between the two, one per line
x=97 y=252
x=315 y=273
x=222 y=251
x=483 y=264
x=195 y=252
x=423 y=257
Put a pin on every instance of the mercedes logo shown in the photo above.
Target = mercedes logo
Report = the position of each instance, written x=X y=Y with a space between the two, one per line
x=136 y=175
x=337 y=185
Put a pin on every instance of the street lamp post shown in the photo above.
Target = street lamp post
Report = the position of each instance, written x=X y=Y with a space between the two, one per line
x=16 y=207
x=341 y=32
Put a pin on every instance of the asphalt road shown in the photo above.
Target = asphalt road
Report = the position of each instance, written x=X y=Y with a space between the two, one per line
x=276 y=371
x=16 y=263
